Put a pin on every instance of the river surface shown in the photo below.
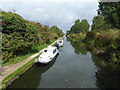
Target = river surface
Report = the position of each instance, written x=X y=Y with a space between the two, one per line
x=73 y=67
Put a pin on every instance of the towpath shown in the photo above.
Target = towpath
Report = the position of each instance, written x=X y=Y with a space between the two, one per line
x=7 y=70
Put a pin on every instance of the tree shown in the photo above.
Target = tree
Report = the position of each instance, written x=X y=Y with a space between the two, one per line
x=67 y=32
x=84 y=25
x=76 y=27
x=56 y=30
x=20 y=36
x=99 y=23
x=111 y=12
x=80 y=26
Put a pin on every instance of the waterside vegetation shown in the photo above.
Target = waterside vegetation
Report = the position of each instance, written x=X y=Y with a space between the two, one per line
x=22 y=38
x=104 y=37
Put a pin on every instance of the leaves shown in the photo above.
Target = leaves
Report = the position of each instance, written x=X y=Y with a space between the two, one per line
x=99 y=23
x=80 y=26
x=111 y=12
x=20 y=35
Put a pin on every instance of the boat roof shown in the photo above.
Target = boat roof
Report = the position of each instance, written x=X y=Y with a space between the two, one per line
x=50 y=48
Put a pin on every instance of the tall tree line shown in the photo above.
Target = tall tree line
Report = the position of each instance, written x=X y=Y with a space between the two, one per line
x=20 y=36
x=108 y=16
x=79 y=26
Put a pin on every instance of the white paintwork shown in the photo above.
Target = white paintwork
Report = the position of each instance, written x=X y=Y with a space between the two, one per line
x=60 y=43
x=46 y=57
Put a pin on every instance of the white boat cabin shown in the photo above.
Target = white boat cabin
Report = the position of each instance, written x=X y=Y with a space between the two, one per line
x=48 y=54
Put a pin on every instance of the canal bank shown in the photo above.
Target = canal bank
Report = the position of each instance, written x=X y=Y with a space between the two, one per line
x=69 y=70
x=11 y=72
x=74 y=67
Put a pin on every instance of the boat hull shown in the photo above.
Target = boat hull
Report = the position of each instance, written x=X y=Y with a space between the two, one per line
x=47 y=58
x=60 y=43
x=52 y=61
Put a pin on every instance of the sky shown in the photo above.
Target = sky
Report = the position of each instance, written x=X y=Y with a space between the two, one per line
x=62 y=13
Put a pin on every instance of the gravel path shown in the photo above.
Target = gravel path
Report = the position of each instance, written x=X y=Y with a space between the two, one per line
x=7 y=70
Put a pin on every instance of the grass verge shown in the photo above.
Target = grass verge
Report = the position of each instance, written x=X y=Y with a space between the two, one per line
x=17 y=73
x=22 y=69
x=6 y=81
x=21 y=58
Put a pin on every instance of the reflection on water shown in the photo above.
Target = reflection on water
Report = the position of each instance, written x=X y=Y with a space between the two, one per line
x=32 y=77
x=79 y=47
x=75 y=67
x=107 y=75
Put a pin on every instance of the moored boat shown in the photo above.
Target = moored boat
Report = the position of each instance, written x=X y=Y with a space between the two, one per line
x=48 y=54
x=60 y=43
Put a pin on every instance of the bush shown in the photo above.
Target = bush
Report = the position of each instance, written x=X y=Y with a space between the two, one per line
x=91 y=35
x=21 y=36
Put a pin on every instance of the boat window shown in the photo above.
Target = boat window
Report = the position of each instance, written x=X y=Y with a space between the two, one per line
x=45 y=50
x=58 y=41
x=54 y=51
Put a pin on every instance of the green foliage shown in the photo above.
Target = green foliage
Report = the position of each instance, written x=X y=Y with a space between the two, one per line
x=80 y=26
x=67 y=32
x=18 y=72
x=19 y=36
x=90 y=38
x=91 y=35
x=108 y=16
x=76 y=27
x=79 y=47
x=89 y=41
x=110 y=10
x=12 y=22
x=99 y=23
x=55 y=29
x=84 y=25
x=105 y=43
x=77 y=37
x=104 y=39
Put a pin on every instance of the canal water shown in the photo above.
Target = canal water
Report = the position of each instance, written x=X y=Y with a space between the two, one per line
x=73 y=67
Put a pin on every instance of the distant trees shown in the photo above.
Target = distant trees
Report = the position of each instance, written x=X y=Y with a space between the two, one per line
x=104 y=37
x=108 y=16
x=80 y=26
x=111 y=12
x=56 y=30
x=76 y=27
x=99 y=23
x=84 y=25
x=67 y=32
